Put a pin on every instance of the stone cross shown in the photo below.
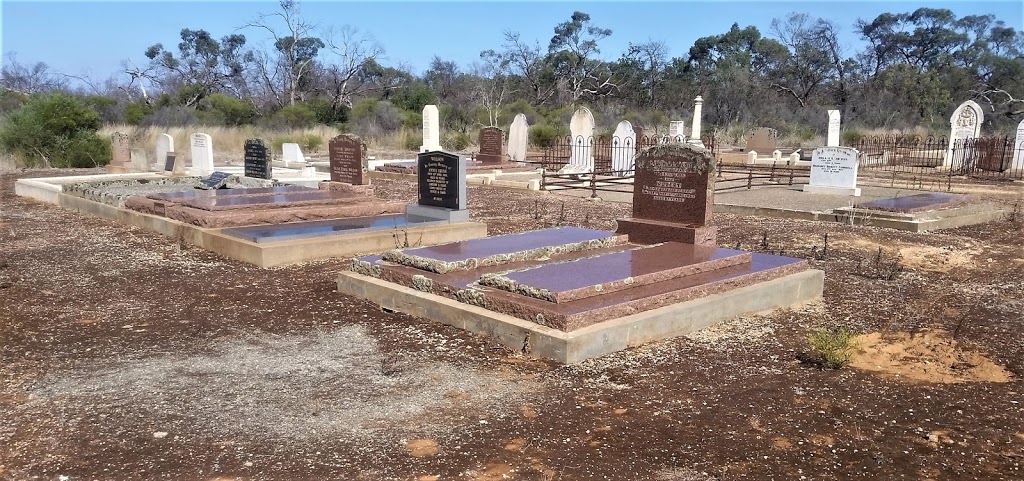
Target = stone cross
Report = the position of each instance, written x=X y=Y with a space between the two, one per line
x=431 y=129
x=965 y=123
x=518 y=138
x=202 y=154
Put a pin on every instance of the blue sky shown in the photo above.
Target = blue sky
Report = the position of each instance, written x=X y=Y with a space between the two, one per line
x=92 y=38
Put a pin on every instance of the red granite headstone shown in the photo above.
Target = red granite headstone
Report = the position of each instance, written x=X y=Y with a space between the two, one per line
x=490 y=146
x=348 y=160
x=673 y=196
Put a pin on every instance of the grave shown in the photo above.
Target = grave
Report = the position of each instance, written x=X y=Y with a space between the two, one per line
x=763 y=140
x=695 y=138
x=581 y=155
x=570 y=293
x=441 y=187
x=518 y=138
x=120 y=153
x=921 y=212
x=491 y=140
x=832 y=138
x=624 y=148
x=431 y=129
x=257 y=164
x=347 y=156
x=834 y=171
x=677 y=131
x=965 y=123
x=202 y=154
x=164 y=146
x=291 y=152
x=1018 y=148
x=139 y=161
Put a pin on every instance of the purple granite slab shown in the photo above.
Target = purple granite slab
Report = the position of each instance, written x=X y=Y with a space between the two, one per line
x=186 y=194
x=916 y=203
x=287 y=199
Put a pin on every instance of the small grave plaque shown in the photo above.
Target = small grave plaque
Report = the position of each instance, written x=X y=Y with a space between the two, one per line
x=169 y=163
x=216 y=180
x=674 y=183
x=491 y=139
x=348 y=160
x=257 y=165
x=441 y=180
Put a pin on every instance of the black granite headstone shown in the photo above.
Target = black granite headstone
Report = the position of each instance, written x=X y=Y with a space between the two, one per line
x=438 y=174
x=216 y=180
x=257 y=164
x=169 y=163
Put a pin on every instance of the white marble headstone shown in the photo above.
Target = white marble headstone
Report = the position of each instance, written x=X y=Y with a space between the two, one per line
x=834 y=171
x=292 y=153
x=518 y=138
x=431 y=129
x=964 y=124
x=581 y=128
x=164 y=144
x=202 y=154
x=676 y=131
x=623 y=148
x=833 y=129
x=1018 y=147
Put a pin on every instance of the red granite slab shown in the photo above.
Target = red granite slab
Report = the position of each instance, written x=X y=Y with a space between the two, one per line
x=649 y=231
x=280 y=215
x=271 y=201
x=178 y=196
x=916 y=203
x=601 y=275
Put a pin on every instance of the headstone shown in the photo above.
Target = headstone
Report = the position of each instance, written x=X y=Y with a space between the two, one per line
x=120 y=149
x=215 y=181
x=833 y=129
x=518 y=138
x=169 y=161
x=257 y=163
x=676 y=131
x=581 y=128
x=490 y=145
x=623 y=148
x=431 y=129
x=164 y=146
x=673 y=195
x=179 y=168
x=1018 y=147
x=834 y=171
x=347 y=155
x=292 y=153
x=964 y=124
x=139 y=161
x=441 y=179
x=763 y=140
x=695 y=139
x=202 y=154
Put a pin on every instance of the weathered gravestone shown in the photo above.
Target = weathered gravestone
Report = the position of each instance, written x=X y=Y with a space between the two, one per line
x=581 y=131
x=518 y=138
x=673 y=195
x=164 y=146
x=832 y=139
x=291 y=152
x=441 y=187
x=139 y=161
x=833 y=171
x=964 y=124
x=623 y=148
x=1018 y=148
x=215 y=181
x=698 y=103
x=120 y=149
x=257 y=163
x=202 y=154
x=763 y=140
x=347 y=155
x=677 y=131
x=431 y=129
x=491 y=139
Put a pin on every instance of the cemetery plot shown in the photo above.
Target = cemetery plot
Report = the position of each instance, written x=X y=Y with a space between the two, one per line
x=298 y=230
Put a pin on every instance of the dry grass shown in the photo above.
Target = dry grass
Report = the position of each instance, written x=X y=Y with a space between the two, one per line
x=7 y=163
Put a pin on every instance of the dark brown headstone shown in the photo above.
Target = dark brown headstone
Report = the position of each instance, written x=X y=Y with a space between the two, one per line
x=673 y=196
x=120 y=149
x=490 y=145
x=348 y=160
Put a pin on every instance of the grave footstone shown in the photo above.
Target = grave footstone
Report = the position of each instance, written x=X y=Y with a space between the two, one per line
x=164 y=146
x=202 y=154
x=833 y=129
x=623 y=148
x=441 y=181
x=673 y=194
x=490 y=146
x=581 y=130
x=763 y=140
x=1018 y=148
x=291 y=152
x=120 y=149
x=518 y=138
x=964 y=124
x=834 y=171
x=431 y=129
x=347 y=156
x=257 y=163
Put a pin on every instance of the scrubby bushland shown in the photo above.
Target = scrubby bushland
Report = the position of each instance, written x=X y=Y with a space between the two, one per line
x=55 y=130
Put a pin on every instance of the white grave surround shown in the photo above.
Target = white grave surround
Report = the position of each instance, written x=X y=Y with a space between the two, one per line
x=431 y=129
x=202 y=154
x=623 y=148
x=965 y=123
x=164 y=145
x=518 y=138
x=292 y=153
x=834 y=171
x=833 y=128
x=581 y=129
x=1018 y=148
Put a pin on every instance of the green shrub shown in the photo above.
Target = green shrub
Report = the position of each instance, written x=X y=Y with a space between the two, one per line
x=230 y=110
x=850 y=137
x=374 y=118
x=326 y=113
x=56 y=130
x=413 y=141
x=311 y=142
x=545 y=135
x=11 y=100
x=135 y=112
x=412 y=120
x=456 y=140
x=414 y=97
x=508 y=113
x=296 y=116
x=831 y=348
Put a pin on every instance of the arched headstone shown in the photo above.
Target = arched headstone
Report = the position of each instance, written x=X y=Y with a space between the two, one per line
x=202 y=154
x=164 y=146
x=1018 y=147
x=964 y=124
x=623 y=148
x=581 y=127
x=518 y=137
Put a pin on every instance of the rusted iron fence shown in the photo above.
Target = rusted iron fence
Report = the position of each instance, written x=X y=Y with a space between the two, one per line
x=982 y=157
